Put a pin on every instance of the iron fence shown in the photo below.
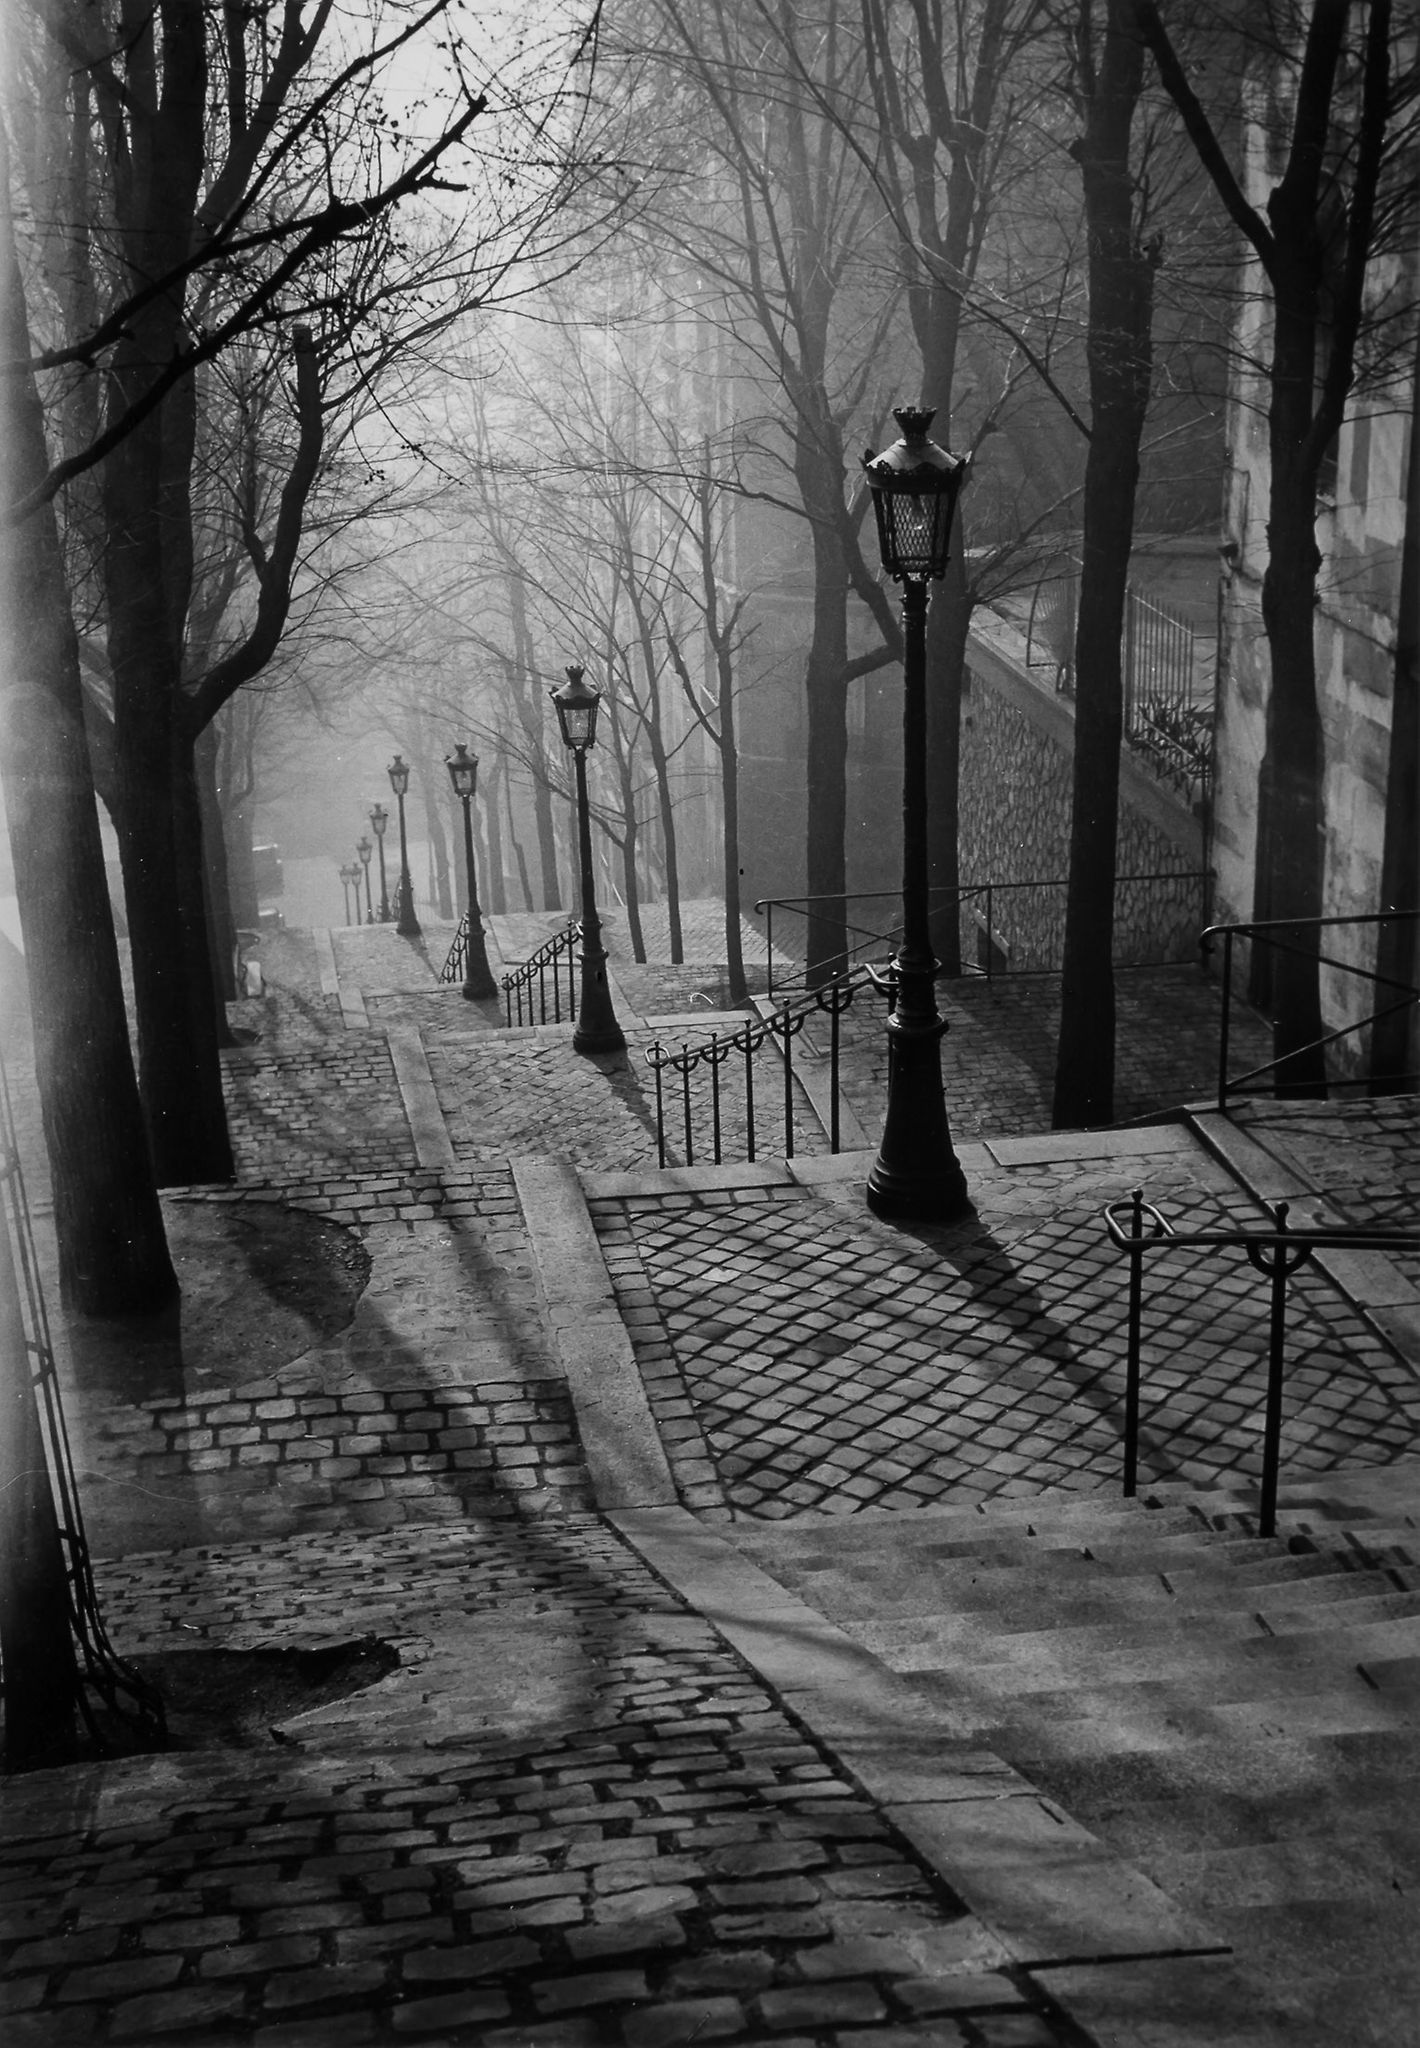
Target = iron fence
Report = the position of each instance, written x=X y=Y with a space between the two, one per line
x=536 y=986
x=456 y=965
x=1139 y=1229
x=1302 y=936
x=1016 y=927
x=723 y=1054
x=120 y=1710
x=1164 y=718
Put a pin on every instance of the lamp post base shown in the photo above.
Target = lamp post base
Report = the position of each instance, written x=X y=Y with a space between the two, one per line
x=597 y=1029
x=916 y=1173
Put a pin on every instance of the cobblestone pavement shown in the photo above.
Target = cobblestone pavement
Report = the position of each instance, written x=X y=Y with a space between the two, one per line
x=1363 y=1157
x=570 y=1818
x=442 y=1397
x=797 y=1357
x=998 y=1058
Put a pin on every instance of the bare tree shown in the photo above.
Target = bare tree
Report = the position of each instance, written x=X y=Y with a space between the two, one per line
x=1314 y=243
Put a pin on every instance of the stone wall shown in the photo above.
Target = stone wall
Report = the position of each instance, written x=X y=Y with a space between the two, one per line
x=1017 y=741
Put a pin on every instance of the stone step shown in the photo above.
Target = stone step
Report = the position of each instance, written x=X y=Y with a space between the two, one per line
x=935 y=1641
x=1137 y=1725
x=1205 y=1670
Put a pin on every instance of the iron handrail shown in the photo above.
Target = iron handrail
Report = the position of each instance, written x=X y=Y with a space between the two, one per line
x=782 y=1027
x=517 y=985
x=1277 y=1253
x=961 y=893
x=455 y=965
x=121 y=1709
x=1263 y=929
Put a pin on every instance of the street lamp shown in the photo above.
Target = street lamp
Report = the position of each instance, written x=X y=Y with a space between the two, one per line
x=350 y=872
x=379 y=820
x=915 y=486
x=478 y=979
x=364 y=849
x=406 y=924
x=597 y=1029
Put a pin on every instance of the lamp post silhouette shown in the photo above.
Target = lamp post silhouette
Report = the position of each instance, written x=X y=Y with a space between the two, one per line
x=379 y=822
x=364 y=849
x=349 y=873
x=406 y=924
x=478 y=979
x=915 y=486
x=597 y=1029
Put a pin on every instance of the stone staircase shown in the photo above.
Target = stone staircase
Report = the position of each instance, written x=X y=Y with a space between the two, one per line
x=1237 y=1717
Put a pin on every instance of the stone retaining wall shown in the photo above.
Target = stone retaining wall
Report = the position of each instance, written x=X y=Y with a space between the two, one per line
x=1017 y=743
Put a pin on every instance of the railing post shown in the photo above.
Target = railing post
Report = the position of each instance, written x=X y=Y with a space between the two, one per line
x=714 y=1064
x=1276 y=1366
x=1131 y=1376
x=1223 y=1030
x=833 y=1079
x=788 y=1087
x=749 y=1092
x=769 y=948
x=660 y=1107
x=685 y=1103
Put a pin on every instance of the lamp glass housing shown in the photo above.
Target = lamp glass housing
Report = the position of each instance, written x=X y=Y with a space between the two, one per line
x=463 y=770
x=379 y=818
x=399 y=775
x=364 y=847
x=576 y=706
x=915 y=486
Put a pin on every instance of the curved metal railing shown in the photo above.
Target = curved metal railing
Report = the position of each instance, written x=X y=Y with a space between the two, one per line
x=778 y=1031
x=1302 y=935
x=1139 y=1229
x=547 y=966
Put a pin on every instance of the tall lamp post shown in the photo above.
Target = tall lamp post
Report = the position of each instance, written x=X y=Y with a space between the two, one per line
x=478 y=979
x=915 y=486
x=364 y=849
x=379 y=821
x=597 y=1029
x=406 y=924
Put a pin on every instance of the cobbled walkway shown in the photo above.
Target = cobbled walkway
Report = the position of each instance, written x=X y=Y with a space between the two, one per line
x=801 y=1361
x=571 y=1818
x=617 y=1794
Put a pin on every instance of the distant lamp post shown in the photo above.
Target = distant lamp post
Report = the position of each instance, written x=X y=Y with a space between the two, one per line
x=406 y=924
x=364 y=848
x=597 y=1029
x=478 y=979
x=915 y=486
x=379 y=824
x=350 y=873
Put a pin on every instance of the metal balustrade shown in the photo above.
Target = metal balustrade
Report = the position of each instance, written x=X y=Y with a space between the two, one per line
x=120 y=1710
x=1140 y=1230
x=1018 y=927
x=537 y=985
x=1302 y=936
x=712 y=1056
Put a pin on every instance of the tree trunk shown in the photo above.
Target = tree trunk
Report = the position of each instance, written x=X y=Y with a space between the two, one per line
x=730 y=806
x=497 y=888
x=826 y=693
x=241 y=868
x=222 y=930
x=439 y=848
x=1118 y=349
x=113 y=1256
x=1395 y=1041
x=948 y=624
x=1290 y=855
